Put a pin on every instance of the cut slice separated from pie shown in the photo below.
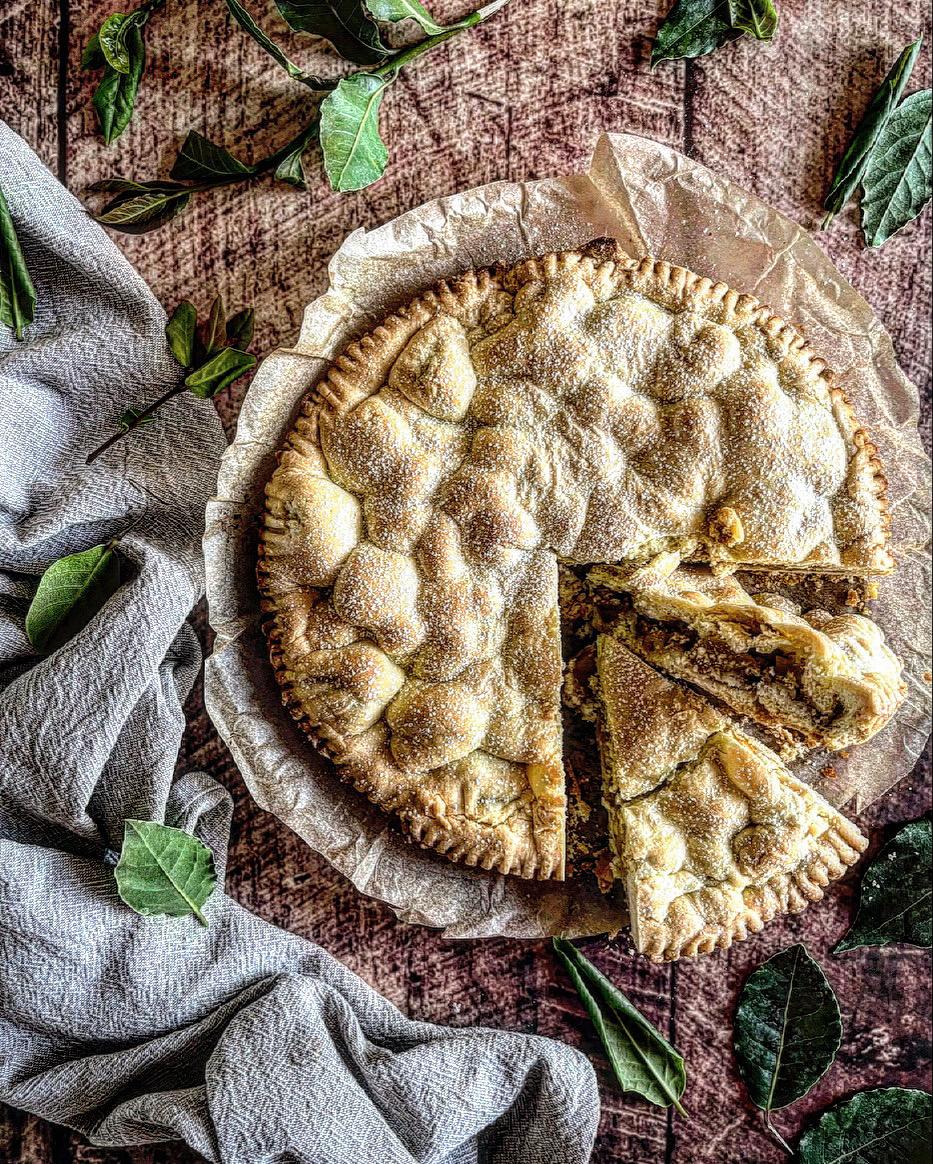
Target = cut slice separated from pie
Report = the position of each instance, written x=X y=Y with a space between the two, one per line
x=584 y=406
x=826 y=680
x=711 y=833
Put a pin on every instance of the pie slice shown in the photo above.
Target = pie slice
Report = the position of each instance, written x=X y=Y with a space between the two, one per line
x=712 y=835
x=827 y=681
x=586 y=406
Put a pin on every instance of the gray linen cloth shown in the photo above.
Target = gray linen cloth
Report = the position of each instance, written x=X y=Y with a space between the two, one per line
x=247 y=1042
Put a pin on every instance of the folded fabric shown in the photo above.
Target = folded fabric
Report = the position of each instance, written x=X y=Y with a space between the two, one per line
x=250 y=1044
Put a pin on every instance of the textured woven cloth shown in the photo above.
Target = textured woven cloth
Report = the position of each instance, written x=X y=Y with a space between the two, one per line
x=245 y=1041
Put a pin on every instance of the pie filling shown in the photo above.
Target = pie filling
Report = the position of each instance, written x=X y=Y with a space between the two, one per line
x=726 y=665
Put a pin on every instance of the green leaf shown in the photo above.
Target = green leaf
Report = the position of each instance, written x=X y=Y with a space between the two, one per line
x=180 y=332
x=240 y=328
x=887 y=1125
x=200 y=160
x=125 y=185
x=787 y=1029
x=693 y=28
x=92 y=57
x=394 y=10
x=246 y=22
x=164 y=871
x=219 y=372
x=758 y=18
x=291 y=170
x=215 y=329
x=898 y=178
x=17 y=294
x=112 y=44
x=354 y=154
x=849 y=174
x=115 y=97
x=896 y=893
x=70 y=593
x=129 y=418
x=642 y=1060
x=139 y=213
x=345 y=23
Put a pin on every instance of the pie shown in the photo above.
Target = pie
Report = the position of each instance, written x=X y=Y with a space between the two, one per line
x=826 y=680
x=711 y=833
x=583 y=407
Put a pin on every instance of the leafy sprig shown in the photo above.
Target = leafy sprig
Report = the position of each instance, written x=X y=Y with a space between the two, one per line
x=17 y=294
x=343 y=122
x=213 y=355
x=889 y=156
x=119 y=50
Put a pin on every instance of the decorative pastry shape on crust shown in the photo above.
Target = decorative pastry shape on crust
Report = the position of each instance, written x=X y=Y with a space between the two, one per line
x=726 y=837
x=827 y=681
x=587 y=405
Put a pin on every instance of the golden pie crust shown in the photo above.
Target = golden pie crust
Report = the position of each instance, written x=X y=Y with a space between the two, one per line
x=711 y=833
x=585 y=406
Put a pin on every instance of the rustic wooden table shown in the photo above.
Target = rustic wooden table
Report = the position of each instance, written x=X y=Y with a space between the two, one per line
x=525 y=97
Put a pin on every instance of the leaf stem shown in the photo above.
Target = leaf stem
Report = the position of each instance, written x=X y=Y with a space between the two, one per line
x=407 y=55
x=135 y=423
x=777 y=1135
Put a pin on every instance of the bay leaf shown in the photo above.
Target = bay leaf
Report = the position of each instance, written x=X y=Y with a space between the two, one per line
x=17 y=293
x=139 y=213
x=642 y=1060
x=219 y=372
x=354 y=154
x=112 y=44
x=694 y=28
x=896 y=894
x=886 y=1125
x=180 y=332
x=345 y=23
x=898 y=178
x=392 y=11
x=240 y=328
x=848 y=176
x=758 y=18
x=249 y=25
x=787 y=1029
x=199 y=159
x=70 y=593
x=164 y=870
x=115 y=96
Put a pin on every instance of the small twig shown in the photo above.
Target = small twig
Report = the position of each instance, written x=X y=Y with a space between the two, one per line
x=135 y=423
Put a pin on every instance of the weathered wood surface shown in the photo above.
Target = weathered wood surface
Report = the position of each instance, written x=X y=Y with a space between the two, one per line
x=523 y=98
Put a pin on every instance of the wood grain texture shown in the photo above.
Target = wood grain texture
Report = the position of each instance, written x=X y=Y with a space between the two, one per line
x=524 y=97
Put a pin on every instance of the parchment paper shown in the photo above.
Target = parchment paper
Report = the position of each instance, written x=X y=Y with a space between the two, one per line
x=654 y=200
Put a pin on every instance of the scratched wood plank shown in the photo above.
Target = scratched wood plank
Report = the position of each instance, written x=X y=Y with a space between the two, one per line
x=502 y=103
x=29 y=38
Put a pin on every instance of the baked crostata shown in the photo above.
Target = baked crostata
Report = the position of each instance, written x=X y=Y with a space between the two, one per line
x=584 y=408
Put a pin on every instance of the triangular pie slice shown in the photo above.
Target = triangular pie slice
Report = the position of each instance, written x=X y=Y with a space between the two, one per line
x=587 y=406
x=711 y=833
x=827 y=681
